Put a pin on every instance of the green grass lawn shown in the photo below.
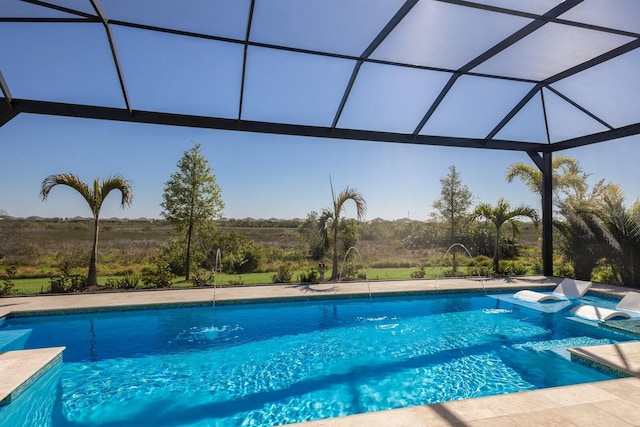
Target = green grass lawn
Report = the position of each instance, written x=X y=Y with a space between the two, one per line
x=402 y=273
x=41 y=285
x=31 y=286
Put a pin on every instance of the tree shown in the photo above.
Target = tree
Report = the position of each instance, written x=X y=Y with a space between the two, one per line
x=579 y=243
x=311 y=237
x=191 y=197
x=617 y=231
x=499 y=215
x=583 y=237
x=567 y=176
x=621 y=232
x=349 y=233
x=95 y=197
x=331 y=218
x=453 y=204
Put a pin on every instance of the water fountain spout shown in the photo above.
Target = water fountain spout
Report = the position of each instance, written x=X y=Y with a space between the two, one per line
x=484 y=291
x=362 y=263
x=217 y=268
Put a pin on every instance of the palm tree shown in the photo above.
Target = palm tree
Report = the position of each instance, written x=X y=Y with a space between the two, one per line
x=330 y=218
x=499 y=215
x=618 y=229
x=578 y=241
x=584 y=236
x=567 y=176
x=95 y=197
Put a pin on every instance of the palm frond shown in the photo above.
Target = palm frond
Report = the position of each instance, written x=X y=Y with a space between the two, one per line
x=525 y=211
x=528 y=174
x=483 y=211
x=326 y=222
x=356 y=197
x=72 y=181
x=117 y=182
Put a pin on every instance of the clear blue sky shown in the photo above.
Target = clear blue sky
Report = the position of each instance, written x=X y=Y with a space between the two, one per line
x=264 y=176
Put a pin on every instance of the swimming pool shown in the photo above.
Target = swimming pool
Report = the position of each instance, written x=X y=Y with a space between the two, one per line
x=278 y=363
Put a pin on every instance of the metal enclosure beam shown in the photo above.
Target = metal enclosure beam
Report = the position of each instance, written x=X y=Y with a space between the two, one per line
x=594 y=138
x=395 y=20
x=203 y=122
x=544 y=163
x=6 y=113
x=5 y=90
x=114 y=52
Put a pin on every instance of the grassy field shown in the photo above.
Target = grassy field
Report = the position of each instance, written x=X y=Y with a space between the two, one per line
x=390 y=250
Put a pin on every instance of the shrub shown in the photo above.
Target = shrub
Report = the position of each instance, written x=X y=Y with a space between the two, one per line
x=159 y=275
x=129 y=281
x=174 y=255
x=452 y=273
x=481 y=270
x=480 y=265
x=283 y=275
x=202 y=278
x=66 y=284
x=440 y=261
x=419 y=273
x=310 y=276
x=603 y=274
x=8 y=287
x=517 y=268
x=537 y=267
x=111 y=283
x=351 y=272
x=511 y=268
x=564 y=270
x=246 y=259
x=236 y=282
x=481 y=261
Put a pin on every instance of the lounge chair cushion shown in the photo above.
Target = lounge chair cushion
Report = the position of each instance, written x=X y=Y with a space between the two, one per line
x=533 y=296
x=568 y=288
x=629 y=306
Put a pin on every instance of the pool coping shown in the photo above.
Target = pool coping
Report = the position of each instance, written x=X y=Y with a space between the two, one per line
x=21 y=368
x=605 y=358
x=622 y=358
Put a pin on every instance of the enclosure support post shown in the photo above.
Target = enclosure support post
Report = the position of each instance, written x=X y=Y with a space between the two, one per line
x=545 y=165
x=547 y=216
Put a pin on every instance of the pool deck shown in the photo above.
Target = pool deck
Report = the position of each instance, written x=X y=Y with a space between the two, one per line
x=20 y=368
x=611 y=403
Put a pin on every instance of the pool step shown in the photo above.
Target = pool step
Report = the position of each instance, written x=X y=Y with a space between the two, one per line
x=14 y=339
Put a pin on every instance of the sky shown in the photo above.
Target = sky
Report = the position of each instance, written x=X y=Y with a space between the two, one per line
x=273 y=176
x=263 y=176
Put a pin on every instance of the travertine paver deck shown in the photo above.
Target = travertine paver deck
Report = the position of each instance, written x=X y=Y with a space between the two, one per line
x=606 y=403
x=21 y=367
x=611 y=403
x=624 y=357
x=46 y=303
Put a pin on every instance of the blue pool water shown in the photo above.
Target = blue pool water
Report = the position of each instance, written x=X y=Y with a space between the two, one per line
x=279 y=363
